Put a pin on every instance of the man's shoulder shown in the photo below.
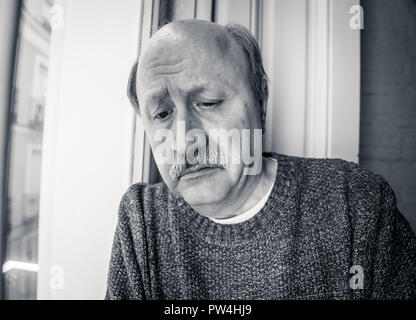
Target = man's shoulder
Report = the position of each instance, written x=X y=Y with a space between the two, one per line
x=326 y=171
x=338 y=183
x=142 y=200
x=341 y=193
x=146 y=192
x=324 y=178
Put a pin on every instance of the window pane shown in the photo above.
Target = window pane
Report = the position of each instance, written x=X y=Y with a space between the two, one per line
x=25 y=156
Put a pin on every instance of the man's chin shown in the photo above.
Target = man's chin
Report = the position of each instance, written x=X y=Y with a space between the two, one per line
x=205 y=191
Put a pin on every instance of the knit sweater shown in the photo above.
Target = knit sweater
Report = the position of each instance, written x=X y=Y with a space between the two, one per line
x=323 y=216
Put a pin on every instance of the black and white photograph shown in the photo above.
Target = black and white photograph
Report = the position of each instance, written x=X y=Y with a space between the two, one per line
x=220 y=151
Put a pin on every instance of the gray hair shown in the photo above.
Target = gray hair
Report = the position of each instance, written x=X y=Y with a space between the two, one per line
x=256 y=73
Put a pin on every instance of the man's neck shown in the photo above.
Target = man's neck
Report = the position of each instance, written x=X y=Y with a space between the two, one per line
x=249 y=191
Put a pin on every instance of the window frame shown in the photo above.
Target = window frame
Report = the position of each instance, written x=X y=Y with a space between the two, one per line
x=10 y=27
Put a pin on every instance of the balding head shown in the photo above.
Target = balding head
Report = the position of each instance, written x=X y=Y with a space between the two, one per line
x=199 y=38
x=196 y=35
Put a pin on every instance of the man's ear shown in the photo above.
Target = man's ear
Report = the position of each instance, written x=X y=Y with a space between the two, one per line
x=132 y=87
x=263 y=102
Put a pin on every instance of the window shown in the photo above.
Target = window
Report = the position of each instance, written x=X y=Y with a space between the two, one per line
x=25 y=151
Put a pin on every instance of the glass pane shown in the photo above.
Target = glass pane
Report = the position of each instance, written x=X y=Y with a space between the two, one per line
x=24 y=166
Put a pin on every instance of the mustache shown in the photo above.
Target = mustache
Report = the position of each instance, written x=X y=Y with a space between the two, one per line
x=197 y=159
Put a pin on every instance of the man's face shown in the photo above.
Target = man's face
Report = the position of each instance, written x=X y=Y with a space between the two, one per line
x=199 y=79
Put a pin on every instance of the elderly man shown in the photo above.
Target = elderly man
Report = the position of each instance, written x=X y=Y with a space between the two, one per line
x=296 y=228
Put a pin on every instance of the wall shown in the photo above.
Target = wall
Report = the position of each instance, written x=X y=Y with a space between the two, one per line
x=388 y=97
x=87 y=145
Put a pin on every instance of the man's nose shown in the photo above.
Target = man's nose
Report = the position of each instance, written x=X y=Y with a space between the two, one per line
x=185 y=122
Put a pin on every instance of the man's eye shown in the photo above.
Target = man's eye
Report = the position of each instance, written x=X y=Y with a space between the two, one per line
x=163 y=115
x=208 y=104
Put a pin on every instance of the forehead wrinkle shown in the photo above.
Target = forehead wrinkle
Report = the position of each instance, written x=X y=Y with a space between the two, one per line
x=165 y=62
x=160 y=68
x=154 y=74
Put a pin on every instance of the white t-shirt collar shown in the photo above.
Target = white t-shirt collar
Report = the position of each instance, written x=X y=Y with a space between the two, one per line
x=246 y=215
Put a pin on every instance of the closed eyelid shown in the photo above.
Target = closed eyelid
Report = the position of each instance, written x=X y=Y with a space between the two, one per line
x=153 y=99
x=161 y=108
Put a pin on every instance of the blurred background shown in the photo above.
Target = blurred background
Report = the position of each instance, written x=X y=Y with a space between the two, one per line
x=342 y=85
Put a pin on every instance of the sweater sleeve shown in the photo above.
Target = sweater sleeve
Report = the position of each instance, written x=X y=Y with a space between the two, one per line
x=394 y=264
x=383 y=243
x=124 y=280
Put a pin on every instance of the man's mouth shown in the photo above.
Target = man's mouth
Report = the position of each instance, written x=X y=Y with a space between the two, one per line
x=199 y=168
